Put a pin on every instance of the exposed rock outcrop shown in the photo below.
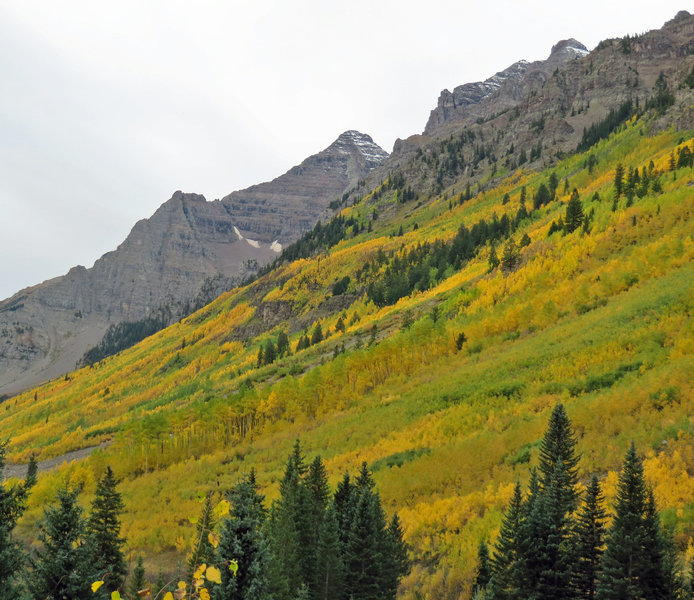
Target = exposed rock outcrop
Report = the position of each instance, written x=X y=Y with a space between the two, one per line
x=45 y=329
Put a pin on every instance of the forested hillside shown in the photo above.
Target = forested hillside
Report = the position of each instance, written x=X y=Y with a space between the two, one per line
x=428 y=334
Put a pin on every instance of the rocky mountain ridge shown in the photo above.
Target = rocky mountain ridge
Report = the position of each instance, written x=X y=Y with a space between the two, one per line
x=166 y=258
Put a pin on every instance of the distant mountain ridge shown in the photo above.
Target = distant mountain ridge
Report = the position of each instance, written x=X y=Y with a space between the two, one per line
x=46 y=328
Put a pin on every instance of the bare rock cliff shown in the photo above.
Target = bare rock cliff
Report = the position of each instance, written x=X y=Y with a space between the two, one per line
x=45 y=329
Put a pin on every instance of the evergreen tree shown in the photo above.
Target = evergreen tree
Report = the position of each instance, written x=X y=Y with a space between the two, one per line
x=290 y=533
x=493 y=260
x=618 y=180
x=484 y=569
x=317 y=334
x=12 y=503
x=525 y=240
x=364 y=553
x=282 y=344
x=329 y=579
x=509 y=259
x=103 y=533
x=137 y=581
x=396 y=561
x=269 y=353
x=63 y=568
x=344 y=503
x=574 y=213
x=241 y=539
x=203 y=551
x=506 y=581
x=32 y=473
x=542 y=196
x=589 y=533
x=632 y=563
x=558 y=445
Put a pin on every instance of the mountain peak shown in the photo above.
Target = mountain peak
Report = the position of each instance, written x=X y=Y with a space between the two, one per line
x=353 y=140
x=568 y=48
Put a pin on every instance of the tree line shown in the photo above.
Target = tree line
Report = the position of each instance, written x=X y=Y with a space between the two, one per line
x=310 y=544
x=552 y=545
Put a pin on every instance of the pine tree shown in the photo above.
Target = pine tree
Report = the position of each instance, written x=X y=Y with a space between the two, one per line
x=241 y=539
x=618 y=180
x=137 y=581
x=103 y=533
x=484 y=569
x=631 y=565
x=317 y=334
x=506 y=581
x=282 y=344
x=329 y=579
x=344 y=503
x=32 y=473
x=269 y=353
x=574 y=213
x=509 y=259
x=493 y=260
x=557 y=445
x=203 y=551
x=289 y=531
x=12 y=503
x=589 y=534
x=63 y=567
x=364 y=553
x=396 y=561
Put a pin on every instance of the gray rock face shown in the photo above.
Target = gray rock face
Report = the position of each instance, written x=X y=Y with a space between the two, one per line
x=286 y=207
x=451 y=104
x=45 y=329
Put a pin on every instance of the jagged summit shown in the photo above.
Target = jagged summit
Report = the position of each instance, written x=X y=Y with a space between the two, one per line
x=571 y=45
x=363 y=143
x=169 y=256
x=453 y=105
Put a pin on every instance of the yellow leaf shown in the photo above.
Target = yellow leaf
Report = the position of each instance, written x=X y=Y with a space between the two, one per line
x=96 y=585
x=168 y=596
x=193 y=520
x=115 y=595
x=181 y=585
x=214 y=575
x=213 y=539
x=199 y=571
x=198 y=582
x=222 y=509
x=204 y=594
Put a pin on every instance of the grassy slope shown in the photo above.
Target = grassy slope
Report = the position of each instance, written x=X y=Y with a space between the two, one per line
x=601 y=322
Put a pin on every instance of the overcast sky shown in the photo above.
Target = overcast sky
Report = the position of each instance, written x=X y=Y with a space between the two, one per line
x=107 y=108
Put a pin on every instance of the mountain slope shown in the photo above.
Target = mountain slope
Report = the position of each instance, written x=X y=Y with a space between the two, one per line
x=435 y=368
x=166 y=259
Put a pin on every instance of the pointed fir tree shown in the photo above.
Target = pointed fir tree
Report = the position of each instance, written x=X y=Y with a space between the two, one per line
x=329 y=578
x=137 y=581
x=483 y=571
x=365 y=552
x=103 y=533
x=558 y=444
x=574 y=213
x=241 y=539
x=509 y=258
x=589 y=535
x=32 y=473
x=618 y=181
x=12 y=504
x=493 y=260
x=396 y=562
x=62 y=568
x=203 y=550
x=506 y=582
x=631 y=565
x=344 y=503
